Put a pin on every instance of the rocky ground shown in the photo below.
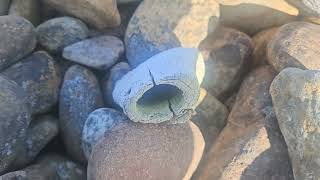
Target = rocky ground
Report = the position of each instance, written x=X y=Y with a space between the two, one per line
x=159 y=89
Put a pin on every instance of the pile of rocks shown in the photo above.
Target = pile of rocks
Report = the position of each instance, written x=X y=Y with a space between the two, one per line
x=159 y=89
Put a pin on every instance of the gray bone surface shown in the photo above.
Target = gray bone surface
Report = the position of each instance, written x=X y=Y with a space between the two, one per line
x=164 y=88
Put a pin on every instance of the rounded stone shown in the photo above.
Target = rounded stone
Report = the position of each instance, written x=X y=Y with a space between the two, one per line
x=99 y=52
x=14 y=121
x=160 y=25
x=28 y=9
x=18 y=39
x=39 y=78
x=295 y=45
x=147 y=151
x=55 y=34
x=307 y=7
x=98 y=124
x=79 y=95
x=153 y=94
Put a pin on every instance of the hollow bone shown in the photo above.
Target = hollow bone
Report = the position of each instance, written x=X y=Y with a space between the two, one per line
x=164 y=88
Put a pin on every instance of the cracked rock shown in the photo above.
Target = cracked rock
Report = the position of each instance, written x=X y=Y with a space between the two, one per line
x=162 y=88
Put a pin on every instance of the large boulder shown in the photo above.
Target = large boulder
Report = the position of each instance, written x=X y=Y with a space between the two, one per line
x=147 y=151
x=252 y=16
x=159 y=25
x=39 y=77
x=29 y=9
x=296 y=98
x=295 y=45
x=14 y=121
x=100 y=14
x=79 y=95
x=251 y=145
x=18 y=39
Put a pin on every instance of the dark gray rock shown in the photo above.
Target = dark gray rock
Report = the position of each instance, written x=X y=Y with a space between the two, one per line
x=79 y=95
x=99 y=52
x=110 y=79
x=14 y=121
x=99 y=123
x=28 y=9
x=127 y=1
x=157 y=26
x=4 y=6
x=296 y=98
x=55 y=34
x=39 y=77
x=18 y=39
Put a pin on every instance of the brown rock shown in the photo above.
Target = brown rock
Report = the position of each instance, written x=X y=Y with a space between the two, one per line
x=147 y=151
x=251 y=145
x=295 y=45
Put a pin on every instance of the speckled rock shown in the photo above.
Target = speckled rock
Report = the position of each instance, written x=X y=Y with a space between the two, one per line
x=79 y=95
x=251 y=145
x=55 y=34
x=307 y=7
x=99 y=123
x=295 y=45
x=99 y=52
x=110 y=79
x=260 y=42
x=49 y=167
x=4 y=6
x=38 y=76
x=295 y=95
x=147 y=151
x=153 y=94
x=100 y=14
x=159 y=25
x=14 y=121
x=226 y=52
x=17 y=39
x=252 y=16
x=28 y=9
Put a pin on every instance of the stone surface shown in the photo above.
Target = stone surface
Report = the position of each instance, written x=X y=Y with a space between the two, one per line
x=128 y=1
x=14 y=121
x=17 y=39
x=98 y=124
x=160 y=25
x=100 y=14
x=4 y=6
x=307 y=7
x=28 y=9
x=153 y=94
x=295 y=95
x=55 y=34
x=99 y=52
x=295 y=45
x=49 y=167
x=252 y=16
x=39 y=78
x=147 y=151
x=260 y=43
x=79 y=95
x=110 y=79
x=226 y=53
x=251 y=145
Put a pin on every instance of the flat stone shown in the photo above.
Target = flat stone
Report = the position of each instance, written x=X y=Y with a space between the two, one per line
x=147 y=151
x=28 y=9
x=296 y=96
x=295 y=45
x=99 y=52
x=98 y=124
x=58 y=33
x=251 y=145
x=226 y=53
x=157 y=26
x=100 y=14
x=79 y=95
x=39 y=78
x=4 y=6
x=152 y=94
x=14 y=121
x=18 y=39
x=253 y=16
